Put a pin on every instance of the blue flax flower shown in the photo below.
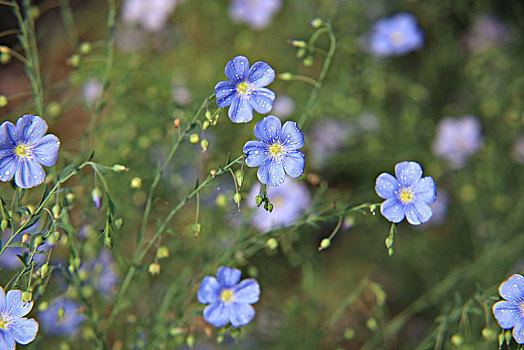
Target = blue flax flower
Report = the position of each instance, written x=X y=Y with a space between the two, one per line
x=245 y=89
x=62 y=323
x=510 y=312
x=407 y=195
x=255 y=13
x=276 y=152
x=14 y=328
x=229 y=300
x=396 y=35
x=24 y=149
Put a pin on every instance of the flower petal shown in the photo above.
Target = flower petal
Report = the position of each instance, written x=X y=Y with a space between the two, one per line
x=247 y=291
x=30 y=128
x=240 y=110
x=425 y=190
x=268 y=129
x=209 y=290
x=261 y=100
x=271 y=173
x=28 y=173
x=6 y=341
x=518 y=331
x=260 y=74
x=386 y=186
x=225 y=91
x=23 y=330
x=15 y=307
x=7 y=167
x=418 y=213
x=255 y=152
x=228 y=277
x=512 y=289
x=408 y=173
x=507 y=313
x=237 y=69
x=241 y=314
x=9 y=133
x=217 y=314
x=2 y=300
x=46 y=150
x=393 y=210
x=291 y=136
x=294 y=163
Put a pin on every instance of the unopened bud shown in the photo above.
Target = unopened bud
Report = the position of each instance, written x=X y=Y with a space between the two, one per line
x=154 y=269
x=488 y=334
x=33 y=12
x=298 y=43
x=4 y=224
x=204 y=144
x=194 y=138
x=70 y=197
x=389 y=242
x=316 y=23
x=308 y=61
x=176 y=122
x=190 y=341
x=5 y=57
x=96 y=194
x=258 y=200
x=118 y=223
x=61 y=313
x=196 y=228
x=136 y=183
x=221 y=200
x=240 y=180
x=213 y=173
x=208 y=115
x=457 y=340
x=205 y=124
x=25 y=237
x=324 y=244
x=349 y=334
x=272 y=243
x=237 y=197
x=3 y=101
x=4 y=49
x=44 y=270
x=301 y=52
x=56 y=211
x=371 y=323
x=85 y=48
x=27 y=296
x=162 y=252
x=285 y=76
x=118 y=168
x=43 y=305
x=270 y=207
x=74 y=61
x=37 y=242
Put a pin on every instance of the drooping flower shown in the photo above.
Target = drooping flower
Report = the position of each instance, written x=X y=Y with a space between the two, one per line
x=276 y=152
x=396 y=35
x=62 y=317
x=245 y=89
x=229 y=300
x=510 y=312
x=151 y=15
x=457 y=139
x=255 y=13
x=14 y=328
x=24 y=149
x=407 y=195
x=289 y=202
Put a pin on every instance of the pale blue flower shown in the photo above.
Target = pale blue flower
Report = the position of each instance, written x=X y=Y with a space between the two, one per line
x=71 y=317
x=24 y=149
x=255 y=13
x=276 y=152
x=14 y=328
x=407 y=195
x=510 y=312
x=229 y=299
x=396 y=35
x=245 y=89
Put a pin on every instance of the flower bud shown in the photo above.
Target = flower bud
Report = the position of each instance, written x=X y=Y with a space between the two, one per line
x=259 y=200
x=205 y=124
x=308 y=61
x=457 y=340
x=74 y=61
x=4 y=49
x=488 y=334
x=70 y=197
x=162 y=252
x=298 y=43
x=208 y=115
x=84 y=48
x=237 y=197
x=196 y=228
x=3 y=101
x=371 y=323
x=43 y=305
x=272 y=243
x=316 y=23
x=136 y=183
x=204 y=144
x=53 y=109
x=96 y=194
x=154 y=269
x=301 y=52
x=221 y=200
x=118 y=223
x=325 y=243
x=270 y=207
x=194 y=138
x=176 y=122
x=56 y=211
x=61 y=313
x=25 y=237
x=213 y=173
x=44 y=270
x=240 y=180
x=285 y=76
x=349 y=334
x=5 y=57
x=190 y=341
x=118 y=168
x=27 y=296
x=37 y=242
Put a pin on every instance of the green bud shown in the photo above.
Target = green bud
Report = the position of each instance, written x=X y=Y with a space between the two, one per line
x=204 y=144
x=389 y=242
x=84 y=48
x=5 y=57
x=190 y=341
x=33 y=12
x=316 y=23
x=301 y=52
x=3 y=101
x=205 y=124
x=240 y=180
x=270 y=207
x=4 y=224
x=488 y=334
x=108 y=242
x=38 y=241
x=209 y=116
x=27 y=296
x=220 y=338
x=285 y=76
x=259 y=200
x=118 y=168
x=371 y=323
x=61 y=313
x=118 y=223
x=44 y=270
x=308 y=61
x=325 y=243
x=196 y=228
x=507 y=336
x=237 y=197
x=457 y=340
x=43 y=305
x=194 y=138
x=272 y=243
x=349 y=334
x=74 y=60
x=162 y=252
x=136 y=183
x=298 y=43
x=77 y=262
x=56 y=210
x=390 y=251
x=501 y=339
x=221 y=200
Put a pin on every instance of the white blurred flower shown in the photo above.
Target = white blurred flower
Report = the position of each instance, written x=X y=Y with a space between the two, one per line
x=91 y=91
x=152 y=15
x=255 y=13
x=283 y=107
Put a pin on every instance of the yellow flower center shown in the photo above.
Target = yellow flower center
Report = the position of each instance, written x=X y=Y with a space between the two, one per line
x=278 y=201
x=23 y=151
x=244 y=88
x=397 y=38
x=276 y=150
x=4 y=321
x=227 y=296
x=406 y=195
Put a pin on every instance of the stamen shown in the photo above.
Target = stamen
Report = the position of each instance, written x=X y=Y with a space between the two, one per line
x=23 y=151
x=244 y=88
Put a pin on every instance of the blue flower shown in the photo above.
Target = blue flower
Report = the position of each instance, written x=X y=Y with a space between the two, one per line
x=396 y=35
x=457 y=139
x=276 y=152
x=65 y=322
x=229 y=300
x=245 y=89
x=23 y=148
x=255 y=13
x=101 y=273
x=510 y=312
x=14 y=328
x=407 y=195
x=289 y=202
